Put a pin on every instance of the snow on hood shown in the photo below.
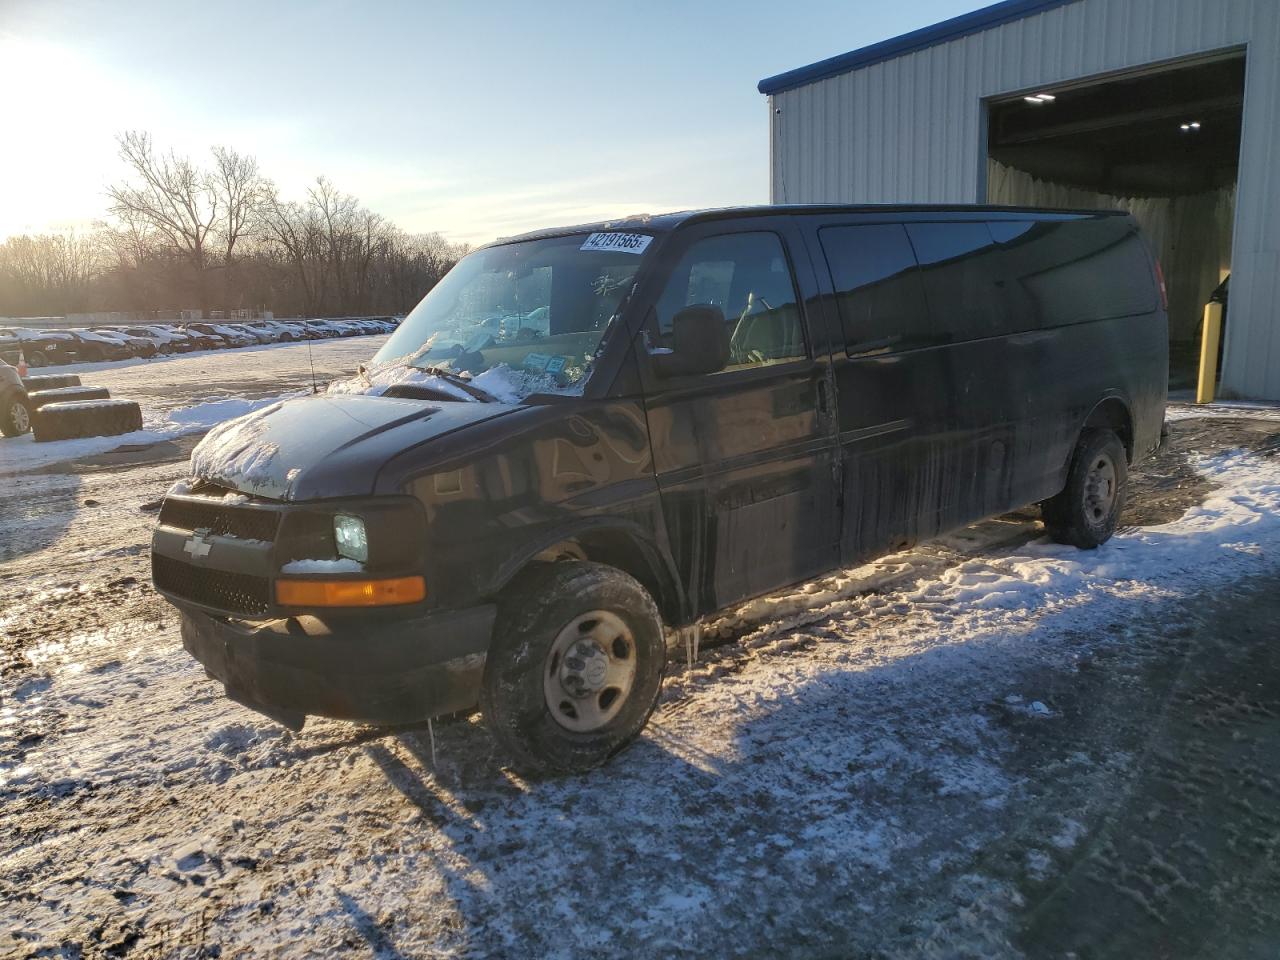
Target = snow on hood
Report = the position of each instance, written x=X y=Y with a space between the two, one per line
x=504 y=383
x=324 y=446
x=235 y=453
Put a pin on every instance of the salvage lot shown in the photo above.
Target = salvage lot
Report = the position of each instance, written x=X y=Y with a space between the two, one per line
x=986 y=745
x=182 y=396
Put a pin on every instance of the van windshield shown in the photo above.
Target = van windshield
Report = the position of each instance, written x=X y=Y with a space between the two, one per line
x=519 y=318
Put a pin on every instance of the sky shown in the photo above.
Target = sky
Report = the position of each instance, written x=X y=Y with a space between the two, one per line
x=476 y=120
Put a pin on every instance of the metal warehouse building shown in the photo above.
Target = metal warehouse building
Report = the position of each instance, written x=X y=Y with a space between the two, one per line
x=1167 y=108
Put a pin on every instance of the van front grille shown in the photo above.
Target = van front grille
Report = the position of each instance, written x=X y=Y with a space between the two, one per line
x=237 y=593
x=220 y=519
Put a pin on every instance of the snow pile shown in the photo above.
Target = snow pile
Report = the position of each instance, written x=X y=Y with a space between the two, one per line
x=323 y=566
x=1219 y=409
x=510 y=385
x=378 y=380
x=235 y=453
x=204 y=416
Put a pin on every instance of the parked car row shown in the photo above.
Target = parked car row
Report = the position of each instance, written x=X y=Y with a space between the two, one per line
x=42 y=348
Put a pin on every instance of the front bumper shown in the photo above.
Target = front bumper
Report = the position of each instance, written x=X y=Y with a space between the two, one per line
x=385 y=672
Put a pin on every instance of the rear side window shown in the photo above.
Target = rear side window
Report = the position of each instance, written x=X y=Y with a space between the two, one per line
x=958 y=265
x=1076 y=271
x=877 y=286
x=746 y=276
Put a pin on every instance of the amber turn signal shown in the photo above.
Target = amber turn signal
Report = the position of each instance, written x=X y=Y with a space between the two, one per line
x=350 y=593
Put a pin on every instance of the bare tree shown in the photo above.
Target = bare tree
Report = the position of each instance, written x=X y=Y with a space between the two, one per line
x=173 y=222
x=188 y=207
x=240 y=191
x=48 y=273
x=171 y=195
x=295 y=230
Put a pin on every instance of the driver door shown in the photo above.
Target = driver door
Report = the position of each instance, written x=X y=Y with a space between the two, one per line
x=745 y=456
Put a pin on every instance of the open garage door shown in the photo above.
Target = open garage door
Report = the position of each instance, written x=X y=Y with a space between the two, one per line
x=1162 y=143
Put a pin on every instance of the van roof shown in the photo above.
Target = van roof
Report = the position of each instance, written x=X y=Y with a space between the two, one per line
x=665 y=222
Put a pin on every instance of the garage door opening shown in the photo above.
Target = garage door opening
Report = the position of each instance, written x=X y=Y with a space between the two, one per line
x=1163 y=144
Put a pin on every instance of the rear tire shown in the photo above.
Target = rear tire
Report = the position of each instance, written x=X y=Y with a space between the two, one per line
x=575 y=667
x=37 y=359
x=1087 y=511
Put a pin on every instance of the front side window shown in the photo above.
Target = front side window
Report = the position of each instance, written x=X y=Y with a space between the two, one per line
x=520 y=318
x=746 y=277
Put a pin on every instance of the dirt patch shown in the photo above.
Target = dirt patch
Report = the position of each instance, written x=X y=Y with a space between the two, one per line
x=1163 y=487
x=37 y=622
x=128 y=455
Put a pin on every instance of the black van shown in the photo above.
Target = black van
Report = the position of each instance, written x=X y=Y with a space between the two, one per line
x=581 y=436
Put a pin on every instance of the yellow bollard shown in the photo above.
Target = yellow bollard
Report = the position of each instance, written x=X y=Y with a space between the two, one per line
x=1209 y=353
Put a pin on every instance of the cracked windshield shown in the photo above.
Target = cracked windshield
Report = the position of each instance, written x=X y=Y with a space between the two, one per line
x=519 y=318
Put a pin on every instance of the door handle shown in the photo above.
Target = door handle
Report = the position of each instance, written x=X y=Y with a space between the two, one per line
x=824 y=398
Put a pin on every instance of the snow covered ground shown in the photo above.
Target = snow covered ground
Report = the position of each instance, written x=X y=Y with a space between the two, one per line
x=190 y=393
x=1223 y=409
x=988 y=745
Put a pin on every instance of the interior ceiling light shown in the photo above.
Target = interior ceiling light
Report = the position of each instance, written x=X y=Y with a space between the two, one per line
x=1040 y=98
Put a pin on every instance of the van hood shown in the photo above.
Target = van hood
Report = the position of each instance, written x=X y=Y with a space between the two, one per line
x=325 y=446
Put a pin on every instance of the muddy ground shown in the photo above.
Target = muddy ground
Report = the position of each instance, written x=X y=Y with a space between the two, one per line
x=832 y=779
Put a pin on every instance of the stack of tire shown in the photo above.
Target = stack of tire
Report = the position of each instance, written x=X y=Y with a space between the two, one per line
x=62 y=409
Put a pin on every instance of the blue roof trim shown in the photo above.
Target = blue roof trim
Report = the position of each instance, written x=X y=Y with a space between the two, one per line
x=962 y=26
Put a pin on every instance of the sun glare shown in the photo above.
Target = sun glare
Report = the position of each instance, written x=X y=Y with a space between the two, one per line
x=57 y=119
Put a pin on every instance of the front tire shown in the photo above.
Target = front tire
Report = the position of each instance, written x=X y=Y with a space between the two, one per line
x=1087 y=511
x=575 y=668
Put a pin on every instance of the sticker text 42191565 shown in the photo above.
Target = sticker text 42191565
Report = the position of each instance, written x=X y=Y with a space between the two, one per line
x=625 y=242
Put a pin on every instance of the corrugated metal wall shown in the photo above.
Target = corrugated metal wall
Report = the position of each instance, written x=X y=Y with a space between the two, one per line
x=912 y=129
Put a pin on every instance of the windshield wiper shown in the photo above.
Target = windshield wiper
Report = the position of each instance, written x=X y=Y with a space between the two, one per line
x=461 y=382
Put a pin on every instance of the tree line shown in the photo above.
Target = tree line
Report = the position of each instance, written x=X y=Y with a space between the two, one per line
x=218 y=236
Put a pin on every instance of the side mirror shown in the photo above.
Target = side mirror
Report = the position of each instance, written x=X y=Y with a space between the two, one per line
x=699 y=343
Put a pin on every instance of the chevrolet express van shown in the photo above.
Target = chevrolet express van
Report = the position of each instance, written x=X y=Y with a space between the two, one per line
x=583 y=436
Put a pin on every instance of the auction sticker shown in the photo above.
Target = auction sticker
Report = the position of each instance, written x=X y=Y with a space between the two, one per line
x=626 y=242
x=537 y=361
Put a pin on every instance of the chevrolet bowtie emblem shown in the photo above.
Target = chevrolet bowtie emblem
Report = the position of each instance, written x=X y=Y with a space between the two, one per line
x=198 y=546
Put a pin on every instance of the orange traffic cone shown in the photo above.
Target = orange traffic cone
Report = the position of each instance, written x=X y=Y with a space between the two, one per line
x=22 y=364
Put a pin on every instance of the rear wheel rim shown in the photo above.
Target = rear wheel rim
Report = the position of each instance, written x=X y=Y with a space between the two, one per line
x=1099 y=489
x=590 y=671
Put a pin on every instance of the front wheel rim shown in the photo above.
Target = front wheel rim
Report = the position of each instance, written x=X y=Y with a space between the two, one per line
x=19 y=416
x=590 y=671
x=1100 y=489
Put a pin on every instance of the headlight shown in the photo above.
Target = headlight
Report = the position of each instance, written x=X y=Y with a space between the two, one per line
x=349 y=535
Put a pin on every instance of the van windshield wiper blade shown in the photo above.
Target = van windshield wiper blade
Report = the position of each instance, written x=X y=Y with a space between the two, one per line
x=484 y=396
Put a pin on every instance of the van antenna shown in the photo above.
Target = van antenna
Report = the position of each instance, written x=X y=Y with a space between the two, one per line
x=310 y=359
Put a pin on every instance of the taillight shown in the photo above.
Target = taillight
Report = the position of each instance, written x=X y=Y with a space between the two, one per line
x=1164 y=290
